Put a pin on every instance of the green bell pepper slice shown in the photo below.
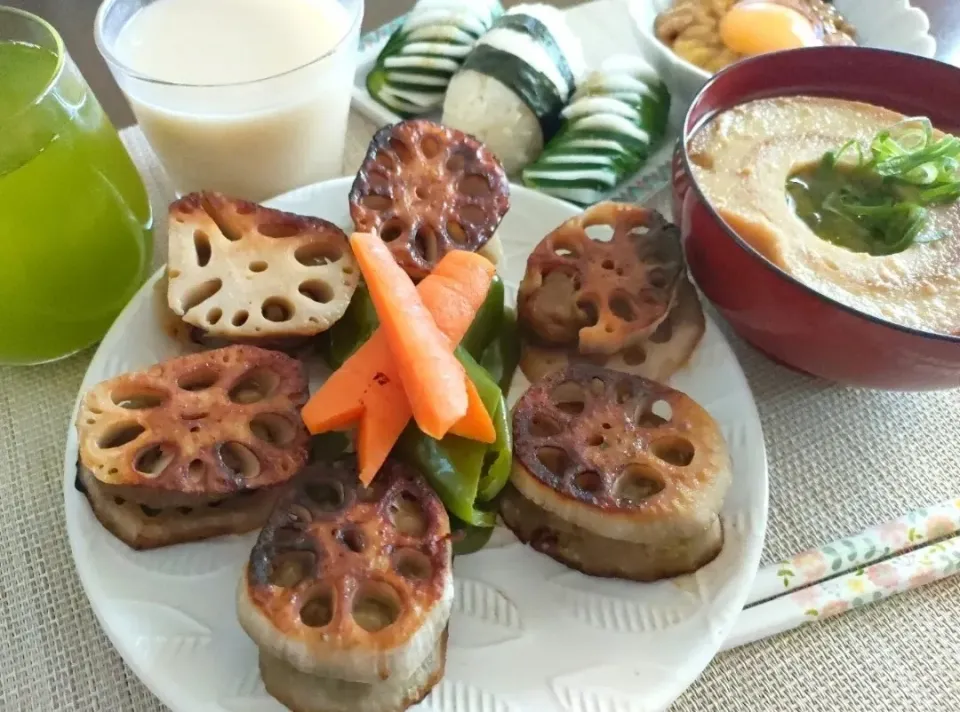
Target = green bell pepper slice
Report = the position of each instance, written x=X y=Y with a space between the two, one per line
x=357 y=325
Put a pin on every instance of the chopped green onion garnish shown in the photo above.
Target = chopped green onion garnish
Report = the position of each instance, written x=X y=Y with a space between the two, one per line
x=876 y=201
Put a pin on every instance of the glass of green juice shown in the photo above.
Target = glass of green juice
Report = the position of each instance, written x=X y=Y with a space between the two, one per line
x=75 y=220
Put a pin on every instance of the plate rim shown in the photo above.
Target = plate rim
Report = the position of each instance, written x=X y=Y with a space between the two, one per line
x=749 y=562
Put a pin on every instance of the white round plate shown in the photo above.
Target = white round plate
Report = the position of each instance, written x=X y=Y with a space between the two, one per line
x=527 y=634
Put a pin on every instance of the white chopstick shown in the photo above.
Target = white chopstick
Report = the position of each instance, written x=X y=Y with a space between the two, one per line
x=831 y=579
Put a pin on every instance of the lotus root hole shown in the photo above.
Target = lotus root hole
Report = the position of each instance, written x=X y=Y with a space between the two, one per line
x=674 y=451
x=377 y=203
x=120 y=435
x=637 y=483
x=375 y=606
x=589 y=312
x=425 y=244
x=412 y=564
x=137 y=398
x=596 y=440
x=430 y=147
x=474 y=185
x=620 y=305
x=326 y=495
x=277 y=309
x=317 y=254
x=624 y=391
x=240 y=318
x=173 y=274
x=634 y=355
x=318 y=611
x=317 y=290
x=119 y=501
x=290 y=568
x=554 y=459
x=392 y=230
x=588 y=481
x=597 y=386
x=239 y=460
x=199 y=379
x=607 y=264
x=273 y=429
x=200 y=293
x=658 y=413
x=543 y=426
x=384 y=159
x=569 y=397
x=422 y=192
x=456 y=233
x=196 y=469
x=258 y=266
x=279 y=228
x=599 y=232
x=401 y=150
x=214 y=315
x=473 y=214
x=664 y=332
x=150 y=511
x=254 y=386
x=606 y=426
x=657 y=278
x=353 y=539
x=154 y=459
x=201 y=243
x=407 y=515
x=456 y=163
x=638 y=231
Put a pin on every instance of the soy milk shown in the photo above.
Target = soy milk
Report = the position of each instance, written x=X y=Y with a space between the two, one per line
x=249 y=97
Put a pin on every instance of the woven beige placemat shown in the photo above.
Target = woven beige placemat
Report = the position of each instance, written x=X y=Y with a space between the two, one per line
x=840 y=460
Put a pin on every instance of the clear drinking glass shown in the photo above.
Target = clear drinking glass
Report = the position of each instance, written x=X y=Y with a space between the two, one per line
x=250 y=139
x=75 y=221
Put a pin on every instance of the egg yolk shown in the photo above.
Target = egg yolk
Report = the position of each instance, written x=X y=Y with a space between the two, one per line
x=755 y=28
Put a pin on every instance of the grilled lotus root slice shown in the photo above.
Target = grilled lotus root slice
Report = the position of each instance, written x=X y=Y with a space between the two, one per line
x=427 y=190
x=602 y=296
x=202 y=426
x=665 y=352
x=619 y=456
x=243 y=272
x=348 y=582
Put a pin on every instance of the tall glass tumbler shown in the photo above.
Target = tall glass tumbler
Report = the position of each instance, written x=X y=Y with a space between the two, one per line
x=75 y=241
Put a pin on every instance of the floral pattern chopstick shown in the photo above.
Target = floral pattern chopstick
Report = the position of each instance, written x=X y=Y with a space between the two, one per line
x=854 y=552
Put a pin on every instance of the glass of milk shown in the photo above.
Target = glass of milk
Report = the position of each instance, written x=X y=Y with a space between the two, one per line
x=248 y=97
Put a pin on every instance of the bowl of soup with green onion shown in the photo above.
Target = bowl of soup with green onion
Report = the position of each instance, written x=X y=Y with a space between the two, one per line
x=818 y=192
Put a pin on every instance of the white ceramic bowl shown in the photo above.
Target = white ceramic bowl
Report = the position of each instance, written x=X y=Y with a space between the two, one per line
x=886 y=24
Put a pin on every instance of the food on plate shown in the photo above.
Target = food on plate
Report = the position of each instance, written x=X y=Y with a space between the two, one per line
x=857 y=202
x=242 y=272
x=348 y=591
x=615 y=475
x=413 y=69
x=615 y=116
x=623 y=301
x=715 y=33
x=427 y=190
x=665 y=352
x=440 y=394
x=514 y=83
x=194 y=447
x=368 y=387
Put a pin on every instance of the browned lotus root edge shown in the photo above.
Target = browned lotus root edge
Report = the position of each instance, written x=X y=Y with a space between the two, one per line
x=602 y=295
x=596 y=555
x=621 y=447
x=334 y=553
x=427 y=189
x=668 y=349
x=251 y=274
x=142 y=527
x=204 y=425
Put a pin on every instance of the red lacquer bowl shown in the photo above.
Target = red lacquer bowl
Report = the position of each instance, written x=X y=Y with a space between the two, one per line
x=788 y=321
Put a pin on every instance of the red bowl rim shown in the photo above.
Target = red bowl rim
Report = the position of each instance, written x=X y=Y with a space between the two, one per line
x=686 y=135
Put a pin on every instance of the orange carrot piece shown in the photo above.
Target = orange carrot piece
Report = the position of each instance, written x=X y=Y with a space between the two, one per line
x=367 y=387
x=435 y=382
x=477 y=423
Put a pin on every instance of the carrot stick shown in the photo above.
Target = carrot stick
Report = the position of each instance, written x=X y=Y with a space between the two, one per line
x=476 y=424
x=367 y=387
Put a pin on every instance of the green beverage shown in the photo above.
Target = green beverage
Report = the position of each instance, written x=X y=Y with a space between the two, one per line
x=75 y=220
